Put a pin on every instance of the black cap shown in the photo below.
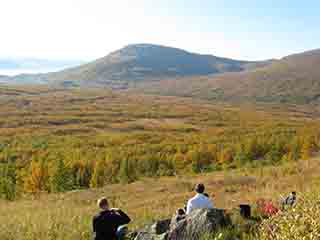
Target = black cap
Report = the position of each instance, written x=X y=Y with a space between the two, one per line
x=200 y=188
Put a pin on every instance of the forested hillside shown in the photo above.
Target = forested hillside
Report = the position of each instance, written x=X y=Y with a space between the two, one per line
x=58 y=140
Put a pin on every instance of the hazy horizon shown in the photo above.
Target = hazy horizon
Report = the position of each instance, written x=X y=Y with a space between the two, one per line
x=14 y=72
x=16 y=66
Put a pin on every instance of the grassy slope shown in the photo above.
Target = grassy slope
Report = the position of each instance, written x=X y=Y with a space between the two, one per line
x=68 y=216
x=294 y=79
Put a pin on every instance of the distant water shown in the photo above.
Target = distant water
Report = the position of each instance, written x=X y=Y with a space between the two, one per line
x=13 y=72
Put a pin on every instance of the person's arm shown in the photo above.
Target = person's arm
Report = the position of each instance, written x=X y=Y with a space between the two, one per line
x=189 y=207
x=123 y=218
x=94 y=225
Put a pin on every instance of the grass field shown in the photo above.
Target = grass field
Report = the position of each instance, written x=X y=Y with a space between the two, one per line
x=161 y=145
x=68 y=216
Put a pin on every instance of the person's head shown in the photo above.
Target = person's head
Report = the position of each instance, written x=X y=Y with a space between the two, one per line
x=103 y=203
x=293 y=193
x=200 y=188
x=180 y=212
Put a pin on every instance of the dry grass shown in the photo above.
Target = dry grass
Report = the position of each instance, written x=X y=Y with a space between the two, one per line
x=68 y=216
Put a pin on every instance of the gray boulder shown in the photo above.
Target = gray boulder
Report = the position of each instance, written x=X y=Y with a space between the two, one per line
x=198 y=223
x=193 y=227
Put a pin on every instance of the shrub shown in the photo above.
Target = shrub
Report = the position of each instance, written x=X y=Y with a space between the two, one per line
x=266 y=208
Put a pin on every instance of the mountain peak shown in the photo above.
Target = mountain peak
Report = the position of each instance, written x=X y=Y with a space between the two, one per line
x=148 y=46
x=146 y=50
x=147 y=62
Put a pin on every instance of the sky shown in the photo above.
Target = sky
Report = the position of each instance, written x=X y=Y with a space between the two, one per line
x=89 y=29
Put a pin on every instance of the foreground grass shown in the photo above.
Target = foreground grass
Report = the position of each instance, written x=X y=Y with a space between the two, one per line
x=68 y=216
x=300 y=222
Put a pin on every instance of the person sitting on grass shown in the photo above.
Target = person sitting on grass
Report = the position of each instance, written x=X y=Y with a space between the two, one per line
x=107 y=222
x=199 y=201
x=290 y=200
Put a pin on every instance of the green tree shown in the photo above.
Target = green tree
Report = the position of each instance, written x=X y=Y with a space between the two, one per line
x=8 y=181
x=275 y=153
x=61 y=180
x=242 y=155
x=126 y=172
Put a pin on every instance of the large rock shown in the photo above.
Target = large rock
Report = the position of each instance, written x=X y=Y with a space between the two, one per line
x=193 y=227
x=198 y=223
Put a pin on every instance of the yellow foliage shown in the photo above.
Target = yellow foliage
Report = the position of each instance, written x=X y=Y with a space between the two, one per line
x=38 y=179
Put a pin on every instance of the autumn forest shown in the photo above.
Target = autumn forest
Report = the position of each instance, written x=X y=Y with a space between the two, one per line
x=55 y=140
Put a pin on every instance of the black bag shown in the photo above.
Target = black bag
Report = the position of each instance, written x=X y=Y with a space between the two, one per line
x=245 y=210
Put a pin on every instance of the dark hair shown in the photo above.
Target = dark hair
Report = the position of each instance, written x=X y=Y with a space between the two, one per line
x=206 y=194
x=102 y=202
x=294 y=193
x=200 y=188
x=180 y=211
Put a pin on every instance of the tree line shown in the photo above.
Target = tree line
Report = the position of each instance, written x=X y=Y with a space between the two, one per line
x=44 y=168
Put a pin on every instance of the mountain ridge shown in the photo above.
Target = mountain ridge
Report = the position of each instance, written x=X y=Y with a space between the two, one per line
x=149 y=62
x=292 y=79
x=156 y=69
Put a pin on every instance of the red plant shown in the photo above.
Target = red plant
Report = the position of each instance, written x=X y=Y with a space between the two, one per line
x=267 y=208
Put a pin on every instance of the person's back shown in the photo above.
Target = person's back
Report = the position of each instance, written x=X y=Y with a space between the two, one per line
x=199 y=201
x=106 y=223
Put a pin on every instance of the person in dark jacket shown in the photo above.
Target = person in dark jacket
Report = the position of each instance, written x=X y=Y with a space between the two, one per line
x=107 y=221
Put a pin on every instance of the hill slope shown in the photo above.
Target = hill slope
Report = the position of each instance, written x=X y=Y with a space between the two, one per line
x=69 y=215
x=169 y=71
x=148 y=62
x=294 y=79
